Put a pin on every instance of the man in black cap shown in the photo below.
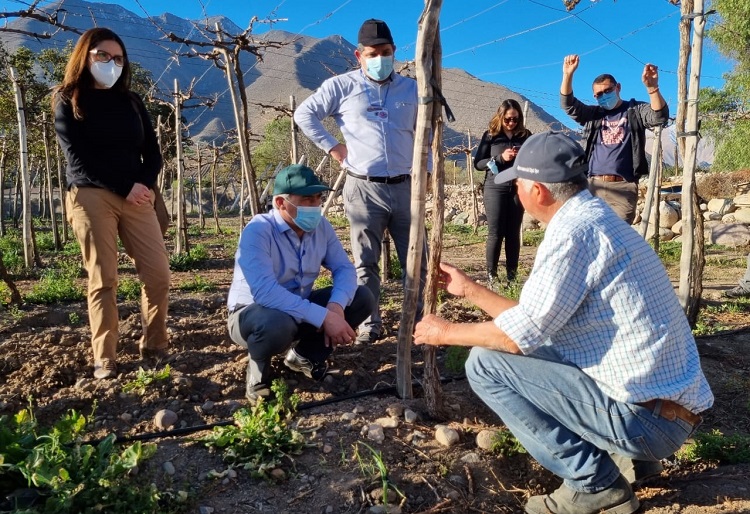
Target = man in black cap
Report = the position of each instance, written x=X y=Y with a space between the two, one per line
x=271 y=301
x=594 y=369
x=376 y=110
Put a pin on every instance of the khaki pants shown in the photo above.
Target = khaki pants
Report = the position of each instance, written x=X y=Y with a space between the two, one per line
x=621 y=196
x=98 y=216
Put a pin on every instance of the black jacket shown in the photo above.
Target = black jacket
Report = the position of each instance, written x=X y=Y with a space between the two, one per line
x=640 y=117
x=113 y=147
x=493 y=146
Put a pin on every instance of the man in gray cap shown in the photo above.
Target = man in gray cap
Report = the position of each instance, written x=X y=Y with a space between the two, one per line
x=376 y=110
x=594 y=369
x=271 y=301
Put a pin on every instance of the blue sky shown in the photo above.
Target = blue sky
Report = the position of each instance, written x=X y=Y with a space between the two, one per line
x=517 y=43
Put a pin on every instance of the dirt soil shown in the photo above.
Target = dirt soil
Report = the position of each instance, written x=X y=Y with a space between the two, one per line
x=44 y=356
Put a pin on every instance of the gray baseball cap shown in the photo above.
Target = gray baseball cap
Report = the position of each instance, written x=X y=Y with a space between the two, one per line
x=549 y=157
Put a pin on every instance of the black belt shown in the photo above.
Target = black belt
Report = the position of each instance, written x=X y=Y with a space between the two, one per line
x=380 y=180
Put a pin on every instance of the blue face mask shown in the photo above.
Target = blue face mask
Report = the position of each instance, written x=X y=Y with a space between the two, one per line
x=379 y=68
x=608 y=101
x=307 y=218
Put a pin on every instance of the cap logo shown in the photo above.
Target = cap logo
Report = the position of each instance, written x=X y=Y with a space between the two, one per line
x=526 y=169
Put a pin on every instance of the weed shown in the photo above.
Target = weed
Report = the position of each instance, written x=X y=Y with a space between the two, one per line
x=194 y=230
x=670 y=252
x=45 y=241
x=144 y=378
x=325 y=280
x=129 y=289
x=11 y=251
x=505 y=444
x=455 y=358
x=338 y=221
x=727 y=449
x=72 y=476
x=55 y=286
x=193 y=259
x=260 y=436
x=74 y=319
x=376 y=468
x=394 y=268
x=532 y=237
x=197 y=284
x=71 y=248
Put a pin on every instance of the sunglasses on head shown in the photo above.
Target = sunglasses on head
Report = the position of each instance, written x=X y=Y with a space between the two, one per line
x=605 y=92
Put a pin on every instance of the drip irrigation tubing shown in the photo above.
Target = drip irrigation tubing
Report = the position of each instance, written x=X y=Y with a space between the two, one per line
x=178 y=432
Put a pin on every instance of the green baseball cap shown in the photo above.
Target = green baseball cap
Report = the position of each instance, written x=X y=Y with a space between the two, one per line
x=298 y=180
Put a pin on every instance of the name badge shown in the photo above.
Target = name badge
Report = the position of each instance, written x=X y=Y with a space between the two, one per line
x=376 y=113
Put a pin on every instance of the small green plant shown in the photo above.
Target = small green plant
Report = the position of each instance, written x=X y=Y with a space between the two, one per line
x=71 y=476
x=194 y=230
x=197 y=284
x=532 y=237
x=455 y=358
x=670 y=252
x=375 y=467
x=325 y=280
x=129 y=289
x=144 y=378
x=506 y=445
x=11 y=250
x=727 y=449
x=74 y=318
x=261 y=436
x=193 y=259
x=394 y=268
x=338 y=221
x=71 y=248
x=45 y=241
x=55 y=286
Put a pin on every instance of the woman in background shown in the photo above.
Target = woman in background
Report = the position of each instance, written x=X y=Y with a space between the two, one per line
x=113 y=160
x=496 y=152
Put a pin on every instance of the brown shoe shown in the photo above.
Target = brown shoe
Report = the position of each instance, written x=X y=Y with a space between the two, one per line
x=105 y=368
x=616 y=499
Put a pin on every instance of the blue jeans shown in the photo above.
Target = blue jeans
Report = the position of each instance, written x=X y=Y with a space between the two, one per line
x=565 y=421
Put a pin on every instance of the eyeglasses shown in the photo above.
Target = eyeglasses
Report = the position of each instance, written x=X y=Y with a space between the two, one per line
x=605 y=92
x=102 y=56
x=510 y=120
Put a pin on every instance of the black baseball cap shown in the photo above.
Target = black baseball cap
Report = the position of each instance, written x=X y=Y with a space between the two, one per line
x=549 y=157
x=374 y=32
x=298 y=180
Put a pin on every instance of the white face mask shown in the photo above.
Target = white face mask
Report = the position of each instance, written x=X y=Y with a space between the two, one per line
x=105 y=73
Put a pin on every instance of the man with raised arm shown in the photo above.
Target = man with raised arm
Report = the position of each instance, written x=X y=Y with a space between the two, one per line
x=614 y=134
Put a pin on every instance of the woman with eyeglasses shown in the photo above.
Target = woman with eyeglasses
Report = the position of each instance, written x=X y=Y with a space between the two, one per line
x=496 y=152
x=113 y=160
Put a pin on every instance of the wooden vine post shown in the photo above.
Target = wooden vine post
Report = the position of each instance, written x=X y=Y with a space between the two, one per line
x=433 y=391
x=426 y=34
x=692 y=260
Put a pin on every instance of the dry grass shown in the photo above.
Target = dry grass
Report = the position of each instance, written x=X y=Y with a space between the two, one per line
x=722 y=185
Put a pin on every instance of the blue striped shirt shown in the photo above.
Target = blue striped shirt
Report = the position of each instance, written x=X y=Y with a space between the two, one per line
x=276 y=269
x=601 y=297
x=375 y=148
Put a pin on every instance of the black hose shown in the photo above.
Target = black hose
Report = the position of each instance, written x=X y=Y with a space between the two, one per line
x=303 y=406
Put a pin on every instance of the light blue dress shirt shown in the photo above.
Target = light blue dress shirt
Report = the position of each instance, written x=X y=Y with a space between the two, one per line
x=277 y=269
x=377 y=146
x=600 y=296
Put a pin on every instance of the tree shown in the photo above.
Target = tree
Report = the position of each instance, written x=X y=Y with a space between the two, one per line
x=726 y=111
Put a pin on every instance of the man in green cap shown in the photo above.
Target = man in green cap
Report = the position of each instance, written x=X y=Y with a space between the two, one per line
x=272 y=303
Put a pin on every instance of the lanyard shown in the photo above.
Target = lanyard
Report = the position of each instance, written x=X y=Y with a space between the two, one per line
x=367 y=86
